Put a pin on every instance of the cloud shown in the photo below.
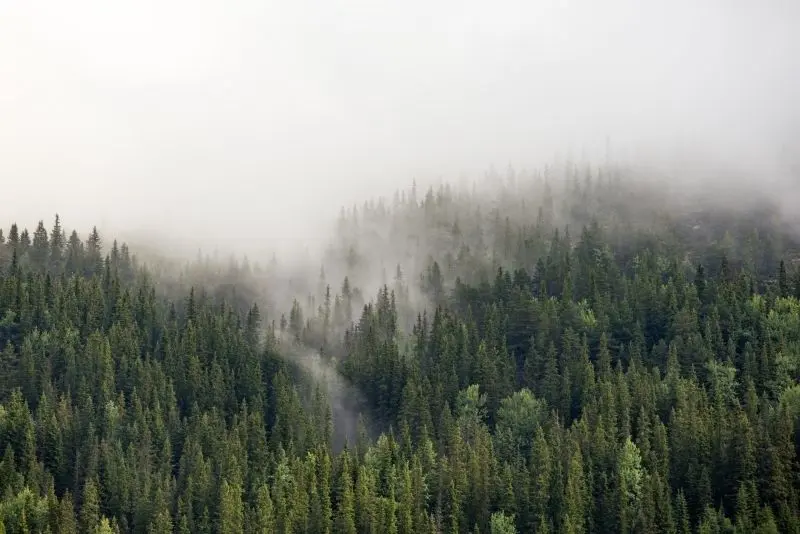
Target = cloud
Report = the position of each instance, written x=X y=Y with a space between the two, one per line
x=254 y=120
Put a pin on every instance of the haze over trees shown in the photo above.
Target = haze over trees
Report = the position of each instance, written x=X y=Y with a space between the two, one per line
x=243 y=126
x=240 y=322
x=570 y=353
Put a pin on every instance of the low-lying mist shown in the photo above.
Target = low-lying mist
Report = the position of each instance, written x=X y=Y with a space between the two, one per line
x=244 y=128
x=347 y=404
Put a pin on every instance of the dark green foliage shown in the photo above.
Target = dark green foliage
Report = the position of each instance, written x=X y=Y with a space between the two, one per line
x=622 y=378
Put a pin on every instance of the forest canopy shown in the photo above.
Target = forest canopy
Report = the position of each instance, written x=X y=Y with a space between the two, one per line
x=564 y=355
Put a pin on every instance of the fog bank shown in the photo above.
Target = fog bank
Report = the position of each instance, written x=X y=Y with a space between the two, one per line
x=250 y=122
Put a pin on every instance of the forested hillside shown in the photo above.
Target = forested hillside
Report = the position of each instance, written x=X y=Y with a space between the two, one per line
x=551 y=354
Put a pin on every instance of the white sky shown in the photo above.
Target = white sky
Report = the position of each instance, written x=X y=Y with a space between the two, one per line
x=259 y=118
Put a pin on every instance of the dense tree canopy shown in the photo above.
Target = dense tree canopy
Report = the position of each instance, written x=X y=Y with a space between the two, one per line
x=553 y=359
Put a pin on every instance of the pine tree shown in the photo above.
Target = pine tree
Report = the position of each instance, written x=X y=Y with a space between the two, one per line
x=40 y=249
x=231 y=514
x=502 y=524
x=345 y=514
x=783 y=281
x=263 y=521
x=575 y=495
x=90 y=507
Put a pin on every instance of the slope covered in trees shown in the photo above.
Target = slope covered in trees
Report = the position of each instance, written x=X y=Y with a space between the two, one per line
x=553 y=355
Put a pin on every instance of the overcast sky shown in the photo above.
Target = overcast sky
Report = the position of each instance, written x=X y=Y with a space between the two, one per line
x=262 y=117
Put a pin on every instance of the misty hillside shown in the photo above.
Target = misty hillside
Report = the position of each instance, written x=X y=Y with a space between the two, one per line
x=567 y=350
x=253 y=280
